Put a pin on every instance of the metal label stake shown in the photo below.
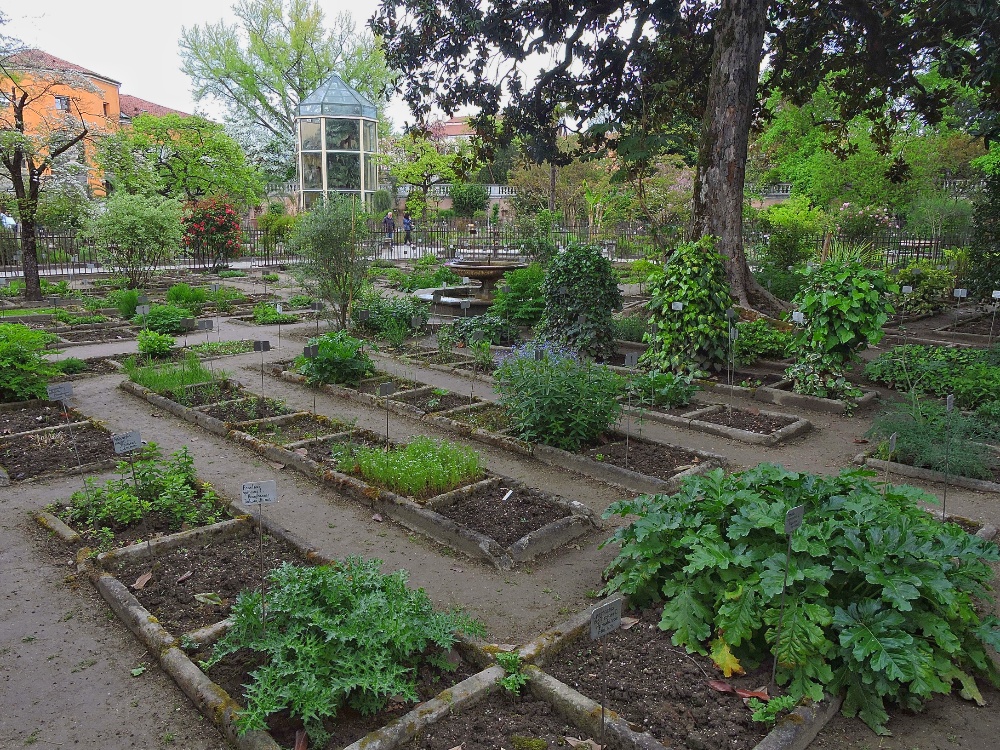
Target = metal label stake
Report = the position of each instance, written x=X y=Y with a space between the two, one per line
x=892 y=451
x=317 y=307
x=960 y=294
x=731 y=364
x=631 y=360
x=63 y=392
x=949 y=408
x=262 y=346
x=310 y=352
x=996 y=306
x=475 y=337
x=386 y=389
x=793 y=520
x=126 y=443
x=280 y=310
x=604 y=620
x=261 y=494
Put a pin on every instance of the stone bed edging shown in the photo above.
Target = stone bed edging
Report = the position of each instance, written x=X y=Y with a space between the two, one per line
x=930 y=475
x=780 y=394
x=691 y=421
x=69 y=471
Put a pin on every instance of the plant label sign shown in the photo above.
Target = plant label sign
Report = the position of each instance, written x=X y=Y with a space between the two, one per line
x=262 y=346
x=730 y=314
x=734 y=333
x=416 y=321
x=142 y=309
x=996 y=294
x=259 y=493
x=310 y=351
x=279 y=308
x=190 y=323
x=386 y=389
x=465 y=304
x=676 y=306
x=581 y=319
x=631 y=359
x=892 y=443
x=476 y=336
x=59 y=391
x=539 y=354
x=961 y=293
x=949 y=402
x=907 y=289
x=465 y=279
x=363 y=315
x=606 y=619
x=793 y=518
x=798 y=317
x=143 y=299
x=316 y=307
x=214 y=287
x=126 y=442
x=436 y=297
x=206 y=325
x=506 y=497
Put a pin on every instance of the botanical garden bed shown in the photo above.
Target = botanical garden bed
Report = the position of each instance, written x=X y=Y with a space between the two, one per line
x=747 y=425
x=51 y=451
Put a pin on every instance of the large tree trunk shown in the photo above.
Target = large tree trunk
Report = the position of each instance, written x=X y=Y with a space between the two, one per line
x=725 y=137
x=27 y=204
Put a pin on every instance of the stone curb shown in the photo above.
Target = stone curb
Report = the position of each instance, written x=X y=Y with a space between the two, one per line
x=799 y=728
x=15 y=405
x=159 y=545
x=399 y=731
x=930 y=475
x=779 y=395
x=213 y=425
x=62 y=344
x=780 y=435
x=57 y=526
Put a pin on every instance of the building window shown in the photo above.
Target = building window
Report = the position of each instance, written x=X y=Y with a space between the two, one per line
x=62 y=103
x=107 y=110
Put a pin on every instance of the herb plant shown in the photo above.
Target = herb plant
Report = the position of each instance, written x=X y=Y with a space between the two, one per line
x=23 y=367
x=758 y=339
x=657 y=388
x=420 y=469
x=557 y=400
x=495 y=330
x=421 y=279
x=222 y=348
x=71 y=366
x=581 y=295
x=265 y=314
x=385 y=312
x=767 y=713
x=514 y=679
x=165 y=488
x=341 y=634
x=153 y=344
x=125 y=301
x=340 y=358
x=165 y=319
x=520 y=299
x=696 y=337
x=882 y=599
x=169 y=377
x=231 y=273
x=931 y=288
x=973 y=375
x=631 y=328
x=189 y=297
x=224 y=297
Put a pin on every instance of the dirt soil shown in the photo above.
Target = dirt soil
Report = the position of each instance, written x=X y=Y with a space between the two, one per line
x=433 y=403
x=495 y=722
x=747 y=419
x=982 y=326
x=660 y=687
x=219 y=566
x=95 y=366
x=102 y=334
x=204 y=394
x=645 y=457
x=506 y=521
x=402 y=384
x=35 y=417
x=33 y=455
x=255 y=407
x=490 y=417
x=299 y=428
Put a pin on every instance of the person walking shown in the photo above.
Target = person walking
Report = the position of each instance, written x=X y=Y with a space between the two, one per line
x=407 y=227
x=389 y=225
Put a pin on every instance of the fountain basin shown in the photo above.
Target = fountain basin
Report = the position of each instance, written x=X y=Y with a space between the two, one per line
x=487 y=273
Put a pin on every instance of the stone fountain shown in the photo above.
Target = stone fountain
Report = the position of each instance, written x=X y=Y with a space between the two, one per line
x=487 y=272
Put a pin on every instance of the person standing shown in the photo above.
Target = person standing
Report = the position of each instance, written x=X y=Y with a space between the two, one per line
x=389 y=225
x=7 y=221
x=407 y=227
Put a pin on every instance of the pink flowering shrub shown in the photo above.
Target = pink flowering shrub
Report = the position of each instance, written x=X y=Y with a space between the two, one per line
x=212 y=229
x=857 y=221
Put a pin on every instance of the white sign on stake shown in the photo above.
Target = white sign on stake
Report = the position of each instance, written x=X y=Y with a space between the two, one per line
x=996 y=294
x=676 y=306
x=279 y=308
x=798 y=317
x=907 y=289
x=142 y=309
x=259 y=493
x=961 y=293
x=126 y=442
x=606 y=619
x=59 y=391
x=949 y=402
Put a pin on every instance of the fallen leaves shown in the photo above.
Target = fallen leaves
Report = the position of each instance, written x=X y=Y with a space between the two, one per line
x=141 y=581
x=185 y=576
x=629 y=622
x=588 y=743
x=209 y=598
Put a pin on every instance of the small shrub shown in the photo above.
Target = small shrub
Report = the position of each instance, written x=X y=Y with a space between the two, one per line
x=557 y=400
x=523 y=302
x=164 y=378
x=988 y=417
x=931 y=288
x=231 y=274
x=300 y=300
x=270 y=278
x=153 y=344
x=340 y=634
x=418 y=279
x=340 y=359
x=758 y=339
x=494 y=329
x=388 y=312
x=657 y=388
x=212 y=230
x=24 y=370
x=224 y=297
x=780 y=281
x=71 y=366
x=264 y=313
x=695 y=338
x=165 y=319
x=186 y=296
x=631 y=328
x=125 y=301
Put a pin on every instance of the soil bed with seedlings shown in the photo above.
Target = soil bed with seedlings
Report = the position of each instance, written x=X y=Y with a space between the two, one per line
x=434 y=400
x=98 y=336
x=442 y=358
x=660 y=688
x=94 y=366
x=645 y=457
x=488 y=416
x=28 y=456
x=233 y=672
x=203 y=394
x=194 y=586
x=329 y=452
x=746 y=419
x=246 y=409
x=501 y=720
x=35 y=416
x=981 y=326
x=484 y=510
x=302 y=427
x=370 y=385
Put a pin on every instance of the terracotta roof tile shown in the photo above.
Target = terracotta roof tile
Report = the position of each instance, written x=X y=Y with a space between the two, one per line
x=41 y=59
x=133 y=106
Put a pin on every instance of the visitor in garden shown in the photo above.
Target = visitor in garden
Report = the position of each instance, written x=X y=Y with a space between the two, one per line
x=7 y=221
x=407 y=227
x=389 y=225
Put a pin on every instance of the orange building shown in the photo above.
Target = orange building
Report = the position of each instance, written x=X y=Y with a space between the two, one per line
x=62 y=92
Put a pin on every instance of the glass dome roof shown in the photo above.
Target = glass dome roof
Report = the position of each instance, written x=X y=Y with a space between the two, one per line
x=334 y=97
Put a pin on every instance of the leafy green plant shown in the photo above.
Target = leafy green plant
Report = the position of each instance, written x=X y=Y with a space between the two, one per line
x=482 y=355
x=340 y=634
x=270 y=278
x=881 y=601
x=222 y=348
x=419 y=279
x=758 y=339
x=973 y=375
x=696 y=337
x=845 y=307
x=165 y=319
x=264 y=313
x=557 y=400
x=169 y=377
x=581 y=295
x=153 y=344
x=387 y=312
x=71 y=366
x=767 y=712
x=514 y=679
x=983 y=270
x=396 y=332
x=782 y=282
x=224 y=297
x=125 y=301
x=300 y=300
x=931 y=288
x=988 y=417
x=656 y=388
x=68 y=318
x=420 y=469
x=927 y=437
x=495 y=330
x=165 y=488
x=340 y=358
x=23 y=367
x=631 y=328
x=520 y=297
x=189 y=297
x=231 y=274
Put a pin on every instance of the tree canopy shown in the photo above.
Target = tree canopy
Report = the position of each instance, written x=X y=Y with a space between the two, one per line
x=179 y=157
x=278 y=53
x=619 y=69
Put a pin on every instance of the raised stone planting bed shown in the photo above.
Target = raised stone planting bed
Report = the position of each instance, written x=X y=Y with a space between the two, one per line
x=980 y=485
x=96 y=366
x=780 y=393
x=70 y=339
x=749 y=426
x=975 y=331
x=74 y=448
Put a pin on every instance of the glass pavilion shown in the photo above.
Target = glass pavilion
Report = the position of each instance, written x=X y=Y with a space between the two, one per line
x=337 y=143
